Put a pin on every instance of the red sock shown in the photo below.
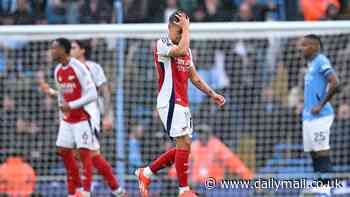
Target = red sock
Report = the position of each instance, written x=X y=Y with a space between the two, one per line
x=86 y=159
x=181 y=165
x=166 y=159
x=105 y=169
x=73 y=176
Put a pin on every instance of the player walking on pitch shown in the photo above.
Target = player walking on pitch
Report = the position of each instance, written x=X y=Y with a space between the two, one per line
x=81 y=51
x=77 y=95
x=318 y=113
x=173 y=60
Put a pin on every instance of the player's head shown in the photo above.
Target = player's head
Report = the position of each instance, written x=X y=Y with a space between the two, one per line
x=204 y=132
x=175 y=31
x=60 y=48
x=80 y=49
x=310 y=45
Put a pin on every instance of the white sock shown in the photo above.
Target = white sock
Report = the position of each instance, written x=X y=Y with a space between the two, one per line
x=183 y=189
x=86 y=194
x=71 y=195
x=148 y=173
x=117 y=191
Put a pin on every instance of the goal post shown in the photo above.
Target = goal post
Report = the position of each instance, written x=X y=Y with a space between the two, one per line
x=256 y=66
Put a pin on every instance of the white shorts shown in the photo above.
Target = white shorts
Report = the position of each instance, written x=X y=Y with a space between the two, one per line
x=176 y=119
x=77 y=135
x=316 y=133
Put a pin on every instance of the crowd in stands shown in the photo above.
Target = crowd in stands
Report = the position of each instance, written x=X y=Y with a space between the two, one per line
x=24 y=12
x=263 y=86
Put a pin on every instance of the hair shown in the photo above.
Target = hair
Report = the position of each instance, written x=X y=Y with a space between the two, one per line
x=173 y=18
x=84 y=44
x=65 y=44
x=316 y=38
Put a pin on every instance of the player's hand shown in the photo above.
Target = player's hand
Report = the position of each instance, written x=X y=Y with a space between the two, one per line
x=218 y=99
x=183 y=21
x=107 y=124
x=65 y=107
x=44 y=87
x=316 y=110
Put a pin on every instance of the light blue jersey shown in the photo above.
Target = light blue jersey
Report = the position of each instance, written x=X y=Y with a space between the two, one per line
x=315 y=87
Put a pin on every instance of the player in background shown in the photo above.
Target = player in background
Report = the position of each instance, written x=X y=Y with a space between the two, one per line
x=76 y=97
x=173 y=60
x=81 y=51
x=318 y=113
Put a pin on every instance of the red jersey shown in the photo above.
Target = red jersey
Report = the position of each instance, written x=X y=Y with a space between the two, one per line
x=72 y=80
x=173 y=75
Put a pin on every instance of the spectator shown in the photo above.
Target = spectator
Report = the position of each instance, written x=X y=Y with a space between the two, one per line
x=56 y=12
x=171 y=7
x=268 y=117
x=340 y=135
x=245 y=13
x=136 y=11
x=332 y=12
x=280 y=84
x=38 y=10
x=210 y=157
x=260 y=10
x=7 y=7
x=17 y=178
x=22 y=15
x=317 y=10
x=135 y=159
x=216 y=12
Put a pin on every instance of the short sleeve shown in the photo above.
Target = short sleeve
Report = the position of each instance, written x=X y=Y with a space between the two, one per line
x=192 y=64
x=163 y=47
x=326 y=69
x=84 y=76
x=98 y=74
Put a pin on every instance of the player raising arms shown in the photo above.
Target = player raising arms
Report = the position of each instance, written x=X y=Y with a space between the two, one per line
x=76 y=95
x=173 y=60
x=318 y=114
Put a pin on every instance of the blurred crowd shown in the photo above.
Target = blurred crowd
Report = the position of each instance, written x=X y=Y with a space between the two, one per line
x=262 y=80
x=21 y=12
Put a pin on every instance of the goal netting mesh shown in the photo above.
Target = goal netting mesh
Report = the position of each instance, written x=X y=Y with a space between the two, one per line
x=256 y=66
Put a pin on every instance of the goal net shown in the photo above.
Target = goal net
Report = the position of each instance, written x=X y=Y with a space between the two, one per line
x=256 y=66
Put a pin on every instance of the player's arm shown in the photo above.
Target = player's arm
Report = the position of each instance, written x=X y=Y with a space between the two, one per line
x=104 y=89
x=203 y=86
x=44 y=86
x=333 y=87
x=182 y=48
x=89 y=90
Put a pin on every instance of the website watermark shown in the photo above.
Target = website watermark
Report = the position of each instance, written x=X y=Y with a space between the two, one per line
x=271 y=183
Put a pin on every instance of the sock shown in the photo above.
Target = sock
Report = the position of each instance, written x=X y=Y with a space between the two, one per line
x=118 y=191
x=164 y=160
x=80 y=189
x=72 y=169
x=322 y=166
x=105 y=169
x=148 y=173
x=86 y=159
x=86 y=194
x=181 y=165
x=183 y=189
